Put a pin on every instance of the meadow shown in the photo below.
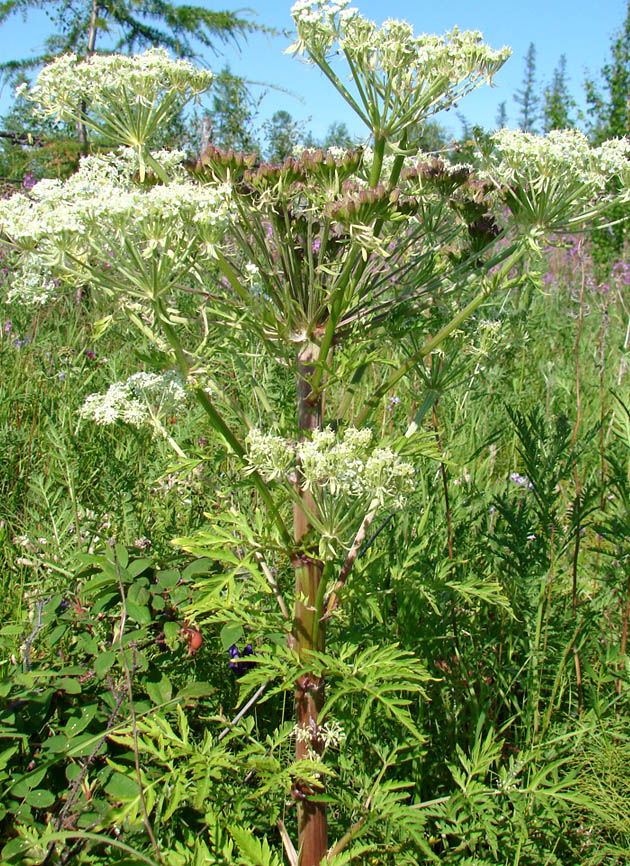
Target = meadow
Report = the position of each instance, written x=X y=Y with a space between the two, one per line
x=507 y=574
x=315 y=496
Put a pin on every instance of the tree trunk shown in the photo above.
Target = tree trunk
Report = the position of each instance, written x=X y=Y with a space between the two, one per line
x=309 y=690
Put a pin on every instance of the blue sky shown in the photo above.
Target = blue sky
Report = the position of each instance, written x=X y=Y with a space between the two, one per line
x=581 y=29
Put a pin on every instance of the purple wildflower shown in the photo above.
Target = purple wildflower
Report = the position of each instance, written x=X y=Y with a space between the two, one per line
x=521 y=480
x=240 y=667
x=7 y=326
x=89 y=354
x=29 y=180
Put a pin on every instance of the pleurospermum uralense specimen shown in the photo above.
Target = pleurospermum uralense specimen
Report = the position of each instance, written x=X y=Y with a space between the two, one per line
x=317 y=262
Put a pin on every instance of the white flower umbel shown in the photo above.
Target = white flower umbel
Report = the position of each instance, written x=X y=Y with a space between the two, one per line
x=101 y=226
x=556 y=181
x=344 y=466
x=270 y=455
x=29 y=283
x=400 y=78
x=139 y=401
x=141 y=79
x=345 y=473
x=124 y=98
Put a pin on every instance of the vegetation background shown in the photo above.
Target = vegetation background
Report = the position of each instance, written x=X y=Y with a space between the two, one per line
x=508 y=574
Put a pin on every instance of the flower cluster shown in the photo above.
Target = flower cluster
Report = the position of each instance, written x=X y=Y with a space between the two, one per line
x=103 y=193
x=342 y=466
x=558 y=180
x=415 y=76
x=560 y=152
x=330 y=735
x=100 y=223
x=30 y=284
x=102 y=79
x=272 y=456
x=142 y=397
x=521 y=480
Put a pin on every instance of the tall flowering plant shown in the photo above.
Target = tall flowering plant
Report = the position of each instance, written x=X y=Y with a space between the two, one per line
x=318 y=262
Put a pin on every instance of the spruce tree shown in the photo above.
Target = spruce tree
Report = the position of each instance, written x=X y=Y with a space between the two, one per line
x=233 y=113
x=502 y=118
x=526 y=97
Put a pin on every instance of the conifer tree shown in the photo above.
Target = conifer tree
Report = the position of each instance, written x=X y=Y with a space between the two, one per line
x=502 y=118
x=130 y=25
x=526 y=97
x=558 y=102
x=611 y=111
x=233 y=113
x=282 y=133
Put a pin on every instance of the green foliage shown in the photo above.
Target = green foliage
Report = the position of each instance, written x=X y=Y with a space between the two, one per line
x=558 y=103
x=609 y=111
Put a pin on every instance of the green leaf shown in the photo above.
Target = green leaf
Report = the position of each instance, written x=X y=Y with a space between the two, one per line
x=55 y=744
x=137 y=566
x=196 y=690
x=122 y=787
x=40 y=799
x=56 y=634
x=122 y=556
x=28 y=781
x=198 y=566
x=15 y=848
x=138 y=613
x=11 y=630
x=168 y=579
x=80 y=720
x=69 y=685
x=160 y=692
x=171 y=634
x=103 y=663
x=231 y=633
x=254 y=852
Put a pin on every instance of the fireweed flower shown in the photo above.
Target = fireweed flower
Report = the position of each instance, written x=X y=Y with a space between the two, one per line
x=521 y=480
